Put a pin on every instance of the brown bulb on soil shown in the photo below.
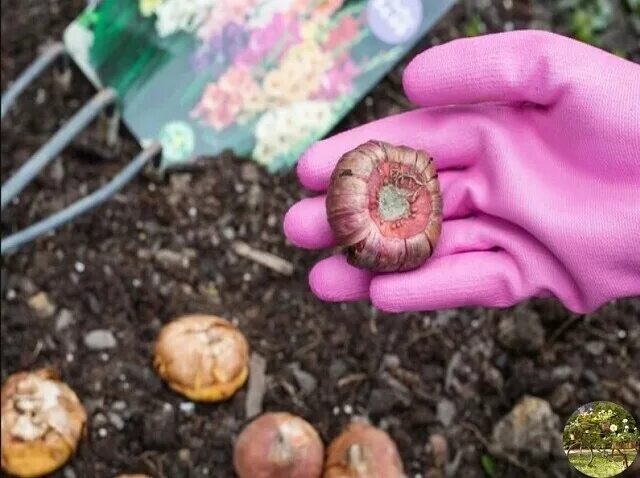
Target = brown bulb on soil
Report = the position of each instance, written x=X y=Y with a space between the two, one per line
x=363 y=451
x=384 y=206
x=278 y=445
x=42 y=423
x=203 y=357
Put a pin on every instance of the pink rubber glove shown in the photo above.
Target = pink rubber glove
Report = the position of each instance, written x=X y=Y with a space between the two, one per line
x=537 y=142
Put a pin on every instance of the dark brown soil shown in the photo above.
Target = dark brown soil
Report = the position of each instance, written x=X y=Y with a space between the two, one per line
x=405 y=372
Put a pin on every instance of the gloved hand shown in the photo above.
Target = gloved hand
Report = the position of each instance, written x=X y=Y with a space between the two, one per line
x=537 y=142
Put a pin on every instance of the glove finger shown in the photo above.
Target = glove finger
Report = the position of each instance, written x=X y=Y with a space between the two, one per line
x=444 y=135
x=471 y=234
x=334 y=280
x=306 y=224
x=512 y=67
x=484 y=278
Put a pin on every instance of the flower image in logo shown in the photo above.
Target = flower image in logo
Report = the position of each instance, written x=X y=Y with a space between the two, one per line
x=600 y=439
x=178 y=141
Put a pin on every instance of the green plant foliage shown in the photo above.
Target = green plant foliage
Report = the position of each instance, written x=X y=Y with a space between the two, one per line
x=475 y=26
x=601 y=467
x=488 y=465
x=634 y=6
x=588 y=19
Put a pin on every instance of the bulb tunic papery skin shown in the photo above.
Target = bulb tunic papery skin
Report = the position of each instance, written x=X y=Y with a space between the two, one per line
x=42 y=423
x=278 y=445
x=363 y=451
x=203 y=357
x=385 y=207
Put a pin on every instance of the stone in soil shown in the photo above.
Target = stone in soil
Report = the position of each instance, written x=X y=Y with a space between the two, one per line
x=100 y=339
x=381 y=401
x=521 y=331
x=42 y=305
x=446 y=412
x=64 y=319
x=307 y=382
x=530 y=428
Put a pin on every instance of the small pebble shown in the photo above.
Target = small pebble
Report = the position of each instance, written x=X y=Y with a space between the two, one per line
x=529 y=428
x=562 y=373
x=69 y=473
x=63 y=320
x=381 y=401
x=116 y=420
x=307 y=382
x=187 y=407
x=100 y=339
x=79 y=267
x=521 y=331
x=99 y=419
x=595 y=347
x=446 y=412
x=42 y=305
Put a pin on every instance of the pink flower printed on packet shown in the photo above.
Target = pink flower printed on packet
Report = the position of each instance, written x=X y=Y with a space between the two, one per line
x=344 y=33
x=338 y=80
x=218 y=106
x=283 y=28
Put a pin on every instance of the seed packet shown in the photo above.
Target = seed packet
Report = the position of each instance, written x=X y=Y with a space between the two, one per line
x=263 y=78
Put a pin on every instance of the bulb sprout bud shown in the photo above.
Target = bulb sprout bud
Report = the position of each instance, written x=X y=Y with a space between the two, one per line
x=363 y=451
x=278 y=445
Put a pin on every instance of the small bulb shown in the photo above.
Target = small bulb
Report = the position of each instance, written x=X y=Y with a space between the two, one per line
x=203 y=357
x=363 y=451
x=42 y=423
x=278 y=445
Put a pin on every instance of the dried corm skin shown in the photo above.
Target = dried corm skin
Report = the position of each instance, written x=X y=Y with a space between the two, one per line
x=278 y=445
x=42 y=423
x=203 y=357
x=363 y=451
x=384 y=206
